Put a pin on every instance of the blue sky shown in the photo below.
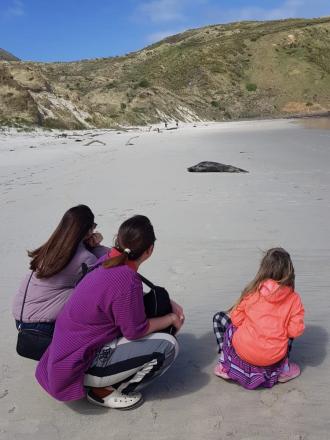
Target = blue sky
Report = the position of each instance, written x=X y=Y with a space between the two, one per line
x=64 y=30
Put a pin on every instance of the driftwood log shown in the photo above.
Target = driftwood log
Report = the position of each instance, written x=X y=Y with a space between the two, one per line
x=94 y=141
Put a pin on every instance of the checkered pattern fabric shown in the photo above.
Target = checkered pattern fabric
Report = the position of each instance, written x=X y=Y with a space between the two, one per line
x=220 y=323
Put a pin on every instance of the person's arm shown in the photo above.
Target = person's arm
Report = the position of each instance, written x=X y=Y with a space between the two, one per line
x=157 y=324
x=296 y=324
x=237 y=315
x=178 y=310
x=128 y=308
x=129 y=313
x=93 y=245
x=99 y=250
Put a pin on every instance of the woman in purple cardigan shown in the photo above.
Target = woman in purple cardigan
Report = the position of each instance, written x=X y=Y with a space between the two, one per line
x=103 y=343
x=55 y=268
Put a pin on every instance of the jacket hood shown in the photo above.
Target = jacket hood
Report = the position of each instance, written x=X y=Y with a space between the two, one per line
x=274 y=292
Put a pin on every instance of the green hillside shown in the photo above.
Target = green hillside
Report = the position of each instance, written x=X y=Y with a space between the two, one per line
x=220 y=72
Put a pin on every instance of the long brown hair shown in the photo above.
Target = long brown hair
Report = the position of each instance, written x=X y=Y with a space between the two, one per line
x=276 y=264
x=134 y=237
x=56 y=253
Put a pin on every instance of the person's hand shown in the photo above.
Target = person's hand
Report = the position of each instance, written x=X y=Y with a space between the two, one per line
x=176 y=321
x=94 y=239
x=178 y=310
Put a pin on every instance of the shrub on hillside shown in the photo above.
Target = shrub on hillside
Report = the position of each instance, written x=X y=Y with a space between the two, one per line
x=111 y=85
x=144 y=83
x=251 y=87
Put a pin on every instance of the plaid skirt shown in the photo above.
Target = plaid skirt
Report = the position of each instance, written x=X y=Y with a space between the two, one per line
x=247 y=375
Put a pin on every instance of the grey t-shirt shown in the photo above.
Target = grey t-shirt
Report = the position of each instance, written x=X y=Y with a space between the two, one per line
x=46 y=296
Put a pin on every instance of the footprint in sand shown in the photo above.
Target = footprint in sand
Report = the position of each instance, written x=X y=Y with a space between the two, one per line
x=176 y=270
x=268 y=399
x=3 y=394
x=293 y=397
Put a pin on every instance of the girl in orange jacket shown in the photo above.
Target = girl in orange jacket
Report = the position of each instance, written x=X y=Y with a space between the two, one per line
x=254 y=336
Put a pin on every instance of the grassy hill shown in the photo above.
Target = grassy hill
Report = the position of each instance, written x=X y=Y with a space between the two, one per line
x=220 y=72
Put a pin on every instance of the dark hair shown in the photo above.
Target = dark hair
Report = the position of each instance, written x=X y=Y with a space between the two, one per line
x=134 y=237
x=56 y=253
x=276 y=265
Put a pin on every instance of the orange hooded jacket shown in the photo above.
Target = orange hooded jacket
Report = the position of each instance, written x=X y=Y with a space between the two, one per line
x=265 y=321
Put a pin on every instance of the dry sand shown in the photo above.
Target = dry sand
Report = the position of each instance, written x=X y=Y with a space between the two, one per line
x=211 y=229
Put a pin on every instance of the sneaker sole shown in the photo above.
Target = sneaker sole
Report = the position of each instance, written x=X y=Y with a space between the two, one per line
x=286 y=379
x=126 y=408
x=136 y=405
x=222 y=377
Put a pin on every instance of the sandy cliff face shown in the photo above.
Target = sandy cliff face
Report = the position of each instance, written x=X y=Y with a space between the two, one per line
x=221 y=72
x=27 y=96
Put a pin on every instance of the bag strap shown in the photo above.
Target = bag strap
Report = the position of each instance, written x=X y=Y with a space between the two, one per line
x=85 y=270
x=23 y=303
x=147 y=282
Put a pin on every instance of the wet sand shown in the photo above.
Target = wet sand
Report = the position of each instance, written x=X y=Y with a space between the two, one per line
x=322 y=123
x=211 y=230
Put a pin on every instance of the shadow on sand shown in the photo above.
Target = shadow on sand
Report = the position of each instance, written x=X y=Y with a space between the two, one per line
x=184 y=377
x=188 y=374
x=311 y=348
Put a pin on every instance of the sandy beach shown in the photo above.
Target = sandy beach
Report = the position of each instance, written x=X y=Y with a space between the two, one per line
x=211 y=230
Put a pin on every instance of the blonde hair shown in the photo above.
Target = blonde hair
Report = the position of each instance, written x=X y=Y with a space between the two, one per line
x=276 y=264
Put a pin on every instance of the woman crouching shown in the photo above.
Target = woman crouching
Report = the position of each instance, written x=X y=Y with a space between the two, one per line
x=103 y=344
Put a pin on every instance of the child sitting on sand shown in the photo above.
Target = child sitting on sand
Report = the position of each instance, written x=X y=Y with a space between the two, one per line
x=254 y=337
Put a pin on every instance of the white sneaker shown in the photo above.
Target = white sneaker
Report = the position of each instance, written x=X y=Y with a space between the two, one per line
x=116 y=400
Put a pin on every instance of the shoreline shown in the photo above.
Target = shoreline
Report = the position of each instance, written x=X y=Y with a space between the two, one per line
x=37 y=128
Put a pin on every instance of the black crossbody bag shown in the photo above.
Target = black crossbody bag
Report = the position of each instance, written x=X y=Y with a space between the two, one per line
x=31 y=343
x=157 y=301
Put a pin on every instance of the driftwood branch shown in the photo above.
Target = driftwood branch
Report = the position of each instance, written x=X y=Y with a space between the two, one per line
x=129 y=142
x=94 y=142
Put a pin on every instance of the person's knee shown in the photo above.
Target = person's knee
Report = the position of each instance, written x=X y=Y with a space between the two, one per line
x=171 y=349
x=168 y=346
x=219 y=315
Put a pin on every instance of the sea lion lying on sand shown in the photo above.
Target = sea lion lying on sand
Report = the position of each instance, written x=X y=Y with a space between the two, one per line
x=214 y=167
